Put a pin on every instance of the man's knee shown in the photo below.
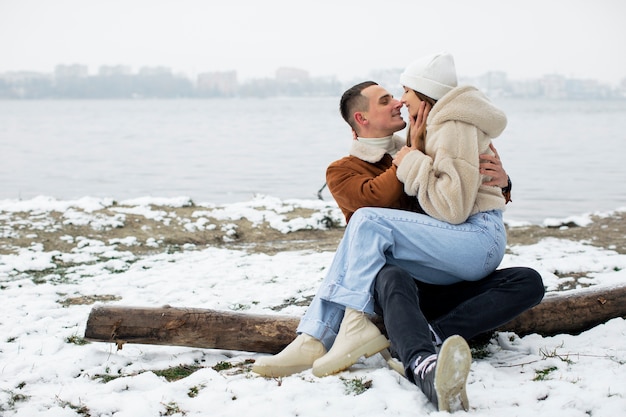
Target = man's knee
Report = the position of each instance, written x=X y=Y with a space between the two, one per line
x=390 y=277
x=534 y=285
x=527 y=282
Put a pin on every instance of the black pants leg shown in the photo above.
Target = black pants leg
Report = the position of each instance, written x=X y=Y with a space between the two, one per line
x=397 y=300
x=467 y=308
x=473 y=308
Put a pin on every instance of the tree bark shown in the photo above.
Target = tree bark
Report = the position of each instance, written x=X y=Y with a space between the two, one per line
x=560 y=312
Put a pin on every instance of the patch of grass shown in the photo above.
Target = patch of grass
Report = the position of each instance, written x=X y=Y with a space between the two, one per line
x=106 y=377
x=293 y=301
x=480 y=352
x=171 y=409
x=233 y=368
x=542 y=374
x=239 y=307
x=222 y=366
x=177 y=372
x=194 y=391
x=80 y=409
x=170 y=374
x=554 y=354
x=14 y=398
x=77 y=340
x=88 y=299
x=356 y=386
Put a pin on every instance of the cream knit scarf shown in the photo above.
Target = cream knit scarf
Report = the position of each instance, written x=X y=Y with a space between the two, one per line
x=384 y=143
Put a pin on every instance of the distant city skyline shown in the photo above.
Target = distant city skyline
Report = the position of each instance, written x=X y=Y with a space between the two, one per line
x=124 y=68
x=74 y=81
x=348 y=38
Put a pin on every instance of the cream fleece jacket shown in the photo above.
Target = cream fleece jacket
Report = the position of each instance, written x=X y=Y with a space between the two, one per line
x=446 y=178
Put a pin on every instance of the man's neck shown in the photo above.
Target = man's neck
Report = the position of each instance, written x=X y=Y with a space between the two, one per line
x=385 y=143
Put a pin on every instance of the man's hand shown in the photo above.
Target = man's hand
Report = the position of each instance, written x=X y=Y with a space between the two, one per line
x=491 y=165
x=400 y=155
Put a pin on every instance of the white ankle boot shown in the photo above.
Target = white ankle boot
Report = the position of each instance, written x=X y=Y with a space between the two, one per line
x=357 y=337
x=298 y=356
x=392 y=362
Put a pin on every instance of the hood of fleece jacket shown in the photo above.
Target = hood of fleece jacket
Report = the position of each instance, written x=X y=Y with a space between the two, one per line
x=467 y=104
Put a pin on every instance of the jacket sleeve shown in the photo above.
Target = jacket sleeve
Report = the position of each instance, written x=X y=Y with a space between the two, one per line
x=355 y=188
x=446 y=183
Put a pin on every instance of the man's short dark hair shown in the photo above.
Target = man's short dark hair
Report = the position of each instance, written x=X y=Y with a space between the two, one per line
x=352 y=100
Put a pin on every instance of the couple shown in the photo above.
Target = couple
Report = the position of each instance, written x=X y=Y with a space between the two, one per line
x=423 y=240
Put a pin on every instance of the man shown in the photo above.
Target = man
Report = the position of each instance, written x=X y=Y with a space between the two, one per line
x=367 y=178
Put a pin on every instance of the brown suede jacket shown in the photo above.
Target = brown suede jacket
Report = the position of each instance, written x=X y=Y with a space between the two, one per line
x=367 y=178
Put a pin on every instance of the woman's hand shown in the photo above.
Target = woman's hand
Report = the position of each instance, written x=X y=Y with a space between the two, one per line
x=491 y=165
x=417 y=129
x=417 y=124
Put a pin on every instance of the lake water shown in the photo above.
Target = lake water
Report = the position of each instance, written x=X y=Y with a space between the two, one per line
x=564 y=157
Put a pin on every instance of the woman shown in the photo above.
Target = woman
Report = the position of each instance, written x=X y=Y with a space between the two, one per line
x=462 y=236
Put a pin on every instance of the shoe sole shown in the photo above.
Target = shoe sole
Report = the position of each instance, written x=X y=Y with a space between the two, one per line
x=273 y=371
x=344 y=362
x=453 y=366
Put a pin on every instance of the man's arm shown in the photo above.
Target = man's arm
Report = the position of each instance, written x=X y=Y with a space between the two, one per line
x=355 y=184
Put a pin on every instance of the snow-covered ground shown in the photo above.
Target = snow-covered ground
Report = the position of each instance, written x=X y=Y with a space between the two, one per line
x=47 y=369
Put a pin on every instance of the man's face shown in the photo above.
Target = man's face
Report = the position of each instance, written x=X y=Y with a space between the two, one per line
x=383 y=117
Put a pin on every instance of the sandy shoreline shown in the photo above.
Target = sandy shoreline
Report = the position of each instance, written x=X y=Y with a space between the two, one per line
x=171 y=229
x=163 y=228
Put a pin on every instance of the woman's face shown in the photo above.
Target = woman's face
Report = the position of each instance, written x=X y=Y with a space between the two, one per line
x=411 y=101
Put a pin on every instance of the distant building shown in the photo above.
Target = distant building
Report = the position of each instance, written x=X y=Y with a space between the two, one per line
x=71 y=71
x=221 y=84
x=554 y=86
x=525 y=88
x=108 y=71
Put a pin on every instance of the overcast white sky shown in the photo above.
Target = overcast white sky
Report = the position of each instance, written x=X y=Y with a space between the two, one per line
x=347 y=38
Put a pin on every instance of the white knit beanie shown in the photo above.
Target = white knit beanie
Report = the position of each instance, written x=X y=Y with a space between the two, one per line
x=432 y=75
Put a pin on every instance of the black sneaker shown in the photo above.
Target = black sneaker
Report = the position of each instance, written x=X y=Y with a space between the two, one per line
x=442 y=377
x=425 y=377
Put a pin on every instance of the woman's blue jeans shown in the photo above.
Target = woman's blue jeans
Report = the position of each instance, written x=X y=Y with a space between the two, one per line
x=429 y=250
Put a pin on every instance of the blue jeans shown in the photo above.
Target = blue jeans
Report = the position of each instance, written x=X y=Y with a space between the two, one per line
x=467 y=308
x=429 y=250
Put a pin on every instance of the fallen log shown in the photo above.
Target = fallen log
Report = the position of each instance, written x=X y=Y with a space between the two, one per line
x=560 y=312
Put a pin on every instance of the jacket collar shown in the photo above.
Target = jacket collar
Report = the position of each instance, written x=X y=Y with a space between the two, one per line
x=373 y=154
